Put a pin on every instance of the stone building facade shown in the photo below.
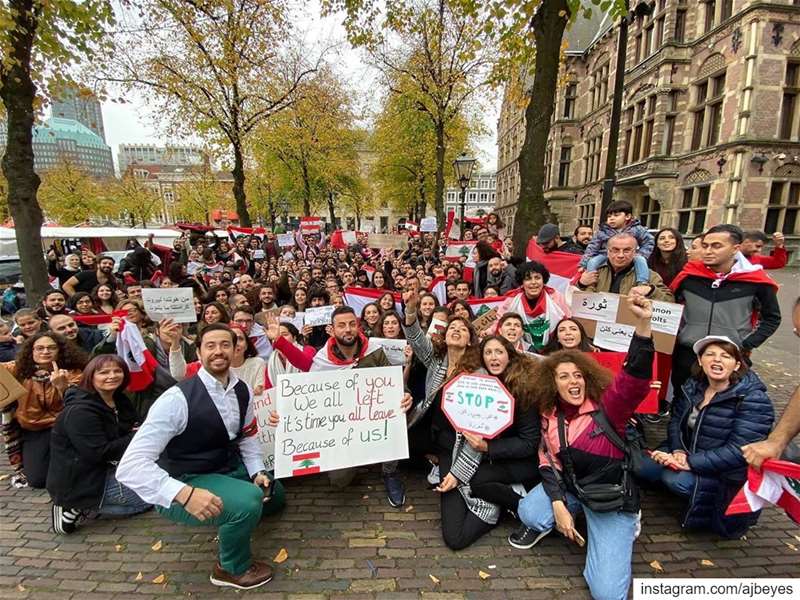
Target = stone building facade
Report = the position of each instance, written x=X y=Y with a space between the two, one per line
x=710 y=129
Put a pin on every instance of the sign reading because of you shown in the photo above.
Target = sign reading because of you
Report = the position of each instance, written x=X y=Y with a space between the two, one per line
x=478 y=404
x=338 y=419
x=169 y=303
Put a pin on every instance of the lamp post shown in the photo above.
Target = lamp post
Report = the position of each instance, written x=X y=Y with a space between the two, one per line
x=462 y=166
x=641 y=9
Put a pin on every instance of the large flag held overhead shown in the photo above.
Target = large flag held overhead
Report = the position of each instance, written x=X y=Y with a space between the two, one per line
x=357 y=298
x=563 y=266
x=438 y=288
x=457 y=249
x=141 y=362
x=538 y=322
x=483 y=305
x=777 y=483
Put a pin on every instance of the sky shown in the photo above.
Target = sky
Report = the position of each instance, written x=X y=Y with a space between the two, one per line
x=133 y=122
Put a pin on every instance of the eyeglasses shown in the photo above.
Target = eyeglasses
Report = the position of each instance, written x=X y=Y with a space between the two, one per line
x=45 y=348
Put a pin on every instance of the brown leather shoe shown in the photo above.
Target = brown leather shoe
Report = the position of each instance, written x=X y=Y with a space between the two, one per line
x=257 y=575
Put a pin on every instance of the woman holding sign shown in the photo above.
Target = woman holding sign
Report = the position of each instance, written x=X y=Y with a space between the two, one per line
x=584 y=462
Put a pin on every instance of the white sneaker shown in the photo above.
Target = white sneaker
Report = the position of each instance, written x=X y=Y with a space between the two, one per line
x=638 y=529
x=433 y=476
x=520 y=489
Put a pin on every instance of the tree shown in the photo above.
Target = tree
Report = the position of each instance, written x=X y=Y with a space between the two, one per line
x=130 y=195
x=40 y=41
x=69 y=195
x=199 y=194
x=217 y=68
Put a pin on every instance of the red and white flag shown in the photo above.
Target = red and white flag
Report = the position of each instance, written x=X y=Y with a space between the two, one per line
x=235 y=232
x=777 y=483
x=141 y=362
x=357 y=298
x=438 y=288
x=483 y=305
x=539 y=322
x=310 y=224
x=457 y=249
x=450 y=231
x=563 y=266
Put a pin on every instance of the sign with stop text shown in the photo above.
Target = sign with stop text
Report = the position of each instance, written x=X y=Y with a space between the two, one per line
x=478 y=404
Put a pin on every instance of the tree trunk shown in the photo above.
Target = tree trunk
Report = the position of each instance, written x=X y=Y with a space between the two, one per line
x=439 y=194
x=331 y=210
x=548 y=28
x=18 y=93
x=238 y=186
x=306 y=191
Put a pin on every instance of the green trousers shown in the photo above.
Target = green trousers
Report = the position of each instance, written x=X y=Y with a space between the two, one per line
x=242 y=509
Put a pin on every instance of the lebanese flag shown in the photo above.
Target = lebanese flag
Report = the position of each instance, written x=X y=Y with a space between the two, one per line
x=742 y=270
x=450 y=232
x=258 y=336
x=305 y=464
x=614 y=361
x=100 y=319
x=140 y=361
x=234 y=232
x=484 y=305
x=337 y=241
x=456 y=249
x=540 y=321
x=563 y=266
x=412 y=228
x=310 y=224
x=370 y=271
x=358 y=297
x=777 y=483
x=438 y=288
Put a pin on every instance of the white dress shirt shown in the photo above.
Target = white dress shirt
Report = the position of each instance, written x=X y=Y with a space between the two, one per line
x=167 y=419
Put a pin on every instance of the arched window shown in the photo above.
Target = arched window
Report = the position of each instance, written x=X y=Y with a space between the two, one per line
x=694 y=202
x=586 y=209
x=709 y=93
x=591 y=160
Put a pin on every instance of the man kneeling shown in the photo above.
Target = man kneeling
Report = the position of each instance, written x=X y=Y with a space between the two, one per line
x=197 y=459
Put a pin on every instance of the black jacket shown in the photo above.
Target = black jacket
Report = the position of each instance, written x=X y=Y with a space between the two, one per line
x=87 y=436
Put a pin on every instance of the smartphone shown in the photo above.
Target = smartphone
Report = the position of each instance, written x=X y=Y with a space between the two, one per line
x=579 y=539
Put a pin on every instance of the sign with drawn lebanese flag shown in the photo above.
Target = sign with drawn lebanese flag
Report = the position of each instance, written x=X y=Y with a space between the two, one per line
x=478 y=404
x=310 y=224
x=456 y=249
x=338 y=419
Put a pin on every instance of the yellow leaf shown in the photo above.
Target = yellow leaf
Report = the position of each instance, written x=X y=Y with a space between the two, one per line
x=4 y=477
x=160 y=579
x=483 y=575
x=409 y=508
x=706 y=563
x=138 y=577
x=792 y=547
x=656 y=566
x=157 y=546
x=20 y=587
x=435 y=580
x=118 y=547
x=281 y=556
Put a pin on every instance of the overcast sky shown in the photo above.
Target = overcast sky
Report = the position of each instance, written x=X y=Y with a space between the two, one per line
x=133 y=122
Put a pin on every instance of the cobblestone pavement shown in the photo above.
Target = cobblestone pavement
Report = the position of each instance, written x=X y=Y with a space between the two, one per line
x=351 y=543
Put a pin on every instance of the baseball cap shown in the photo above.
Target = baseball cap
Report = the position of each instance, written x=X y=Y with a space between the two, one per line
x=701 y=344
x=547 y=233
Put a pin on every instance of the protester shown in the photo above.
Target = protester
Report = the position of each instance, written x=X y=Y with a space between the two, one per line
x=71 y=266
x=103 y=299
x=582 y=462
x=214 y=312
x=549 y=238
x=27 y=323
x=54 y=302
x=462 y=308
x=85 y=337
x=669 y=255
x=723 y=407
x=752 y=244
x=499 y=275
x=86 y=281
x=81 y=303
x=570 y=335
x=8 y=345
x=582 y=236
x=370 y=315
x=88 y=438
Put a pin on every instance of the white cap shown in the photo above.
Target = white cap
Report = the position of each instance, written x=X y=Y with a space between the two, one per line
x=700 y=345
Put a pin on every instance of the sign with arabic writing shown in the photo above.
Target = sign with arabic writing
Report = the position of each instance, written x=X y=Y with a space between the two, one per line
x=613 y=336
x=478 y=404
x=170 y=303
x=596 y=307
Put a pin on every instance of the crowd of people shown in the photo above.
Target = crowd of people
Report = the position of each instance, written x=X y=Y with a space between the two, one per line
x=104 y=440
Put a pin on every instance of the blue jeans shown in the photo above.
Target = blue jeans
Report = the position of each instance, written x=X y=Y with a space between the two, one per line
x=680 y=483
x=610 y=541
x=640 y=268
x=118 y=500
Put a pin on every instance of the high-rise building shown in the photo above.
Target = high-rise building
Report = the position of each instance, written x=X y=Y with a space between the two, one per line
x=151 y=154
x=480 y=198
x=83 y=108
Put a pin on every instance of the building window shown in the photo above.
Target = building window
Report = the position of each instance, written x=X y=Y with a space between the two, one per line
x=563 y=166
x=639 y=129
x=784 y=203
x=570 y=95
x=548 y=166
x=599 y=92
x=680 y=25
x=692 y=213
x=709 y=95
x=594 y=147
x=789 y=104
x=650 y=214
x=669 y=123
x=586 y=209
x=710 y=10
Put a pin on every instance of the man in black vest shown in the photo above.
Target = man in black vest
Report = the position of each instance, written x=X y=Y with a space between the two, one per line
x=196 y=457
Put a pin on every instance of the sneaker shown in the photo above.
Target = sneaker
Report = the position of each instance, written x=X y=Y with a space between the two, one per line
x=638 y=530
x=519 y=489
x=395 y=490
x=65 y=520
x=433 y=477
x=525 y=537
x=257 y=575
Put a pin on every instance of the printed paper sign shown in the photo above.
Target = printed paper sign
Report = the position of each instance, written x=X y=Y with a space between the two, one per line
x=596 y=307
x=258 y=254
x=393 y=349
x=298 y=320
x=169 y=303
x=285 y=240
x=338 y=419
x=387 y=241
x=437 y=326
x=613 y=336
x=428 y=224
x=319 y=315
x=478 y=404
x=349 y=237
x=263 y=405
x=666 y=317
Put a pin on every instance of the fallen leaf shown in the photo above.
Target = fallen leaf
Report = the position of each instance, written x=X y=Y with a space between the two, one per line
x=483 y=575
x=656 y=566
x=157 y=546
x=409 y=508
x=797 y=537
x=4 y=477
x=20 y=587
x=281 y=556
x=118 y=547
x=792 y=547
x=364 y=497
x=706 y=563
x=160 y=579
x=435 y=580
x=138 y=577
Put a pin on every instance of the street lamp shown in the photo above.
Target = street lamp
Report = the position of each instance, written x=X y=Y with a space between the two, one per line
x=462 y=166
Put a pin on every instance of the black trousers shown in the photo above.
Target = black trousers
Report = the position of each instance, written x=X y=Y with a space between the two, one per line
x=683 y=358
x=36 y=456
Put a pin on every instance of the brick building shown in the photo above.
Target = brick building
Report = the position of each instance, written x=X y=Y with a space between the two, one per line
x=710 y=129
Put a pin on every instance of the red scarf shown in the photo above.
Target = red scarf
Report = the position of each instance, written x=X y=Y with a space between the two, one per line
x=698 y=269
x=333 y=358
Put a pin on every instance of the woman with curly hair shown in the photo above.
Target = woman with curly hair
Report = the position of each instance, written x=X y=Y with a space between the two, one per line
x=583 y=460
x=46 y=365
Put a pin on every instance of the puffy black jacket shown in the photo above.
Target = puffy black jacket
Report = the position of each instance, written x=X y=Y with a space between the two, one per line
x=739 y=415
x=87 y=436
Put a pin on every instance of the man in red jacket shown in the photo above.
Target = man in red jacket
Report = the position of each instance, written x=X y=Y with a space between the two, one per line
x=753 y=243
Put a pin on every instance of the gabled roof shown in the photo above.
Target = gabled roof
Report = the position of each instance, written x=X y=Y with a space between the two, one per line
x=584 y=32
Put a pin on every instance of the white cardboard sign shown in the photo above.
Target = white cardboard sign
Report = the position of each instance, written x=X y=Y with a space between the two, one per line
x=595 y=307
x=298 y=320
x=666 y=317
x=614 y=337
x=319 y=315
x=169 y=303
x=428 y=224
x=478 y=404
x=285 y=240
x=338 y=419
x=263 y=405
x=393 y=349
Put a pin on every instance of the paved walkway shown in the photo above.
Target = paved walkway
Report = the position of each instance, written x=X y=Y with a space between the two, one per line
x=351 y=543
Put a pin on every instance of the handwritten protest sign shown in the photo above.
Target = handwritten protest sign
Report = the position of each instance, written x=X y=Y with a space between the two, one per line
x=393 y=349
x=437 y=327
x=478 y=404
x=263 y=405
x=485 y=321
x=387 y=241
x=10 y=388
x=338 y=419
x=169 y=303
x=298 y=320
x=613 y=336
x=597 y=307
x=285 y=240
x=349 y=237
x=428 y=224
x=319 y=315
x=666 y=317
